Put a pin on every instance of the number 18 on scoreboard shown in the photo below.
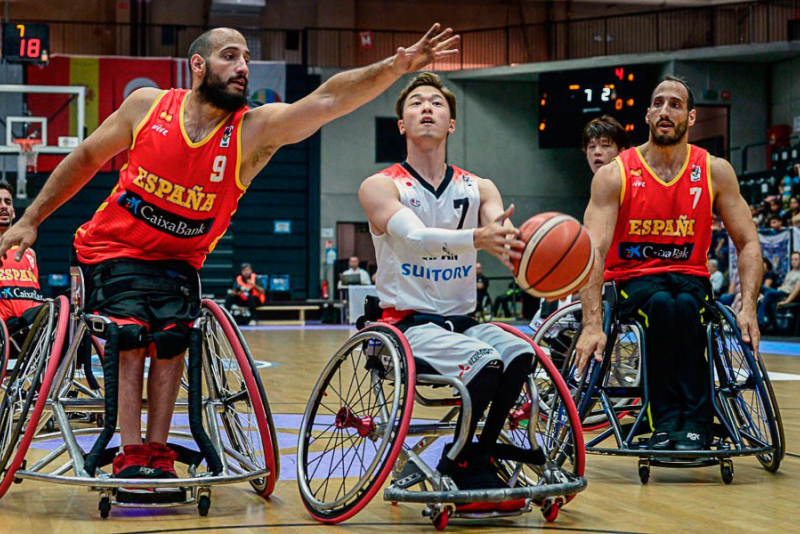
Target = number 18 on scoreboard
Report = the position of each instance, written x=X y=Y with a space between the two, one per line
x=26 y=43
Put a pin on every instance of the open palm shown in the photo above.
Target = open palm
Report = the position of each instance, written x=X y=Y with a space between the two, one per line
x=427 y=50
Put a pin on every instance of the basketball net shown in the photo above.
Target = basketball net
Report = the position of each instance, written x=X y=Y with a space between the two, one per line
x=27 y=152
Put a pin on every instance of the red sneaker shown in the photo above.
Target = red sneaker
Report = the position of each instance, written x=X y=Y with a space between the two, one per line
x=163 y=458
x=133 y=462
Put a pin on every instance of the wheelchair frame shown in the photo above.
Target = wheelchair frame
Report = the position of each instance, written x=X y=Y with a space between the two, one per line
x=443 y=499
x=62 y=384
x=732 y=436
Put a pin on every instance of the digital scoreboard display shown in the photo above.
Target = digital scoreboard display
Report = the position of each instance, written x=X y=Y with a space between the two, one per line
x=570 y=99
x=26 y=43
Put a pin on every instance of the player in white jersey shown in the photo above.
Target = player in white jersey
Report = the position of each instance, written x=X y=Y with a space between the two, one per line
x=428 y=219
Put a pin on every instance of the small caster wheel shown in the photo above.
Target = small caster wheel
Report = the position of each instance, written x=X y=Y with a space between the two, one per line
x=394 y=503
x=644 y=474
x=550 y=512
x=50 y=426
x=440 y=521
x=100 y=421
x=105 y=507
x=727 y=471
x=203 y=504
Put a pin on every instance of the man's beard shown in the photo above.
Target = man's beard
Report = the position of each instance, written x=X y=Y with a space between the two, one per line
x=679 y=130
x=214 y=91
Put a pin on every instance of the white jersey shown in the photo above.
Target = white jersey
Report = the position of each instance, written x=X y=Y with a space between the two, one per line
x=442 y=285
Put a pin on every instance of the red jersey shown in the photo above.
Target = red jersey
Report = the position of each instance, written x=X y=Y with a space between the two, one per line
x=249 y=287
x=19 y=284
x=662 y=227
x=175 y=197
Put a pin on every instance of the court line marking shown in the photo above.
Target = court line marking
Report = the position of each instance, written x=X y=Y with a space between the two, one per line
x=549 y=527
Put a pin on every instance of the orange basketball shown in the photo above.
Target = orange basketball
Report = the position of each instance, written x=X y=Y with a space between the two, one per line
x=558 y=256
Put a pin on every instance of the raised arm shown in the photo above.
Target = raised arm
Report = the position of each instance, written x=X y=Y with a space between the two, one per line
x=269 y=127
x=381 y=202
x=110 y=138
x=600 y=220
x=735 y=214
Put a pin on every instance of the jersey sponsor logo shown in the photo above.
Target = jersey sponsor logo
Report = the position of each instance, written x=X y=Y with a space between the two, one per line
x=638 y=183
x=655 y=251
x=160 y=129
x=696 y=171
x=164 y=116
x=680 y=227
x=193 y=198
x=21 y=293
x=437 y=275
x=163 y=220
x=415 y=202
x=226 y=137
x=636 y=172
x=18 y=275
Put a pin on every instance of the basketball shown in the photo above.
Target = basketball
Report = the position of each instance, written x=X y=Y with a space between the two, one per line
x=557 y=258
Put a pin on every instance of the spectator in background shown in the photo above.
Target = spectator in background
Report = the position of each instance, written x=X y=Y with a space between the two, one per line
x=246 y=292
x=770 y=278
x=758 y=216
x=773 y=206
x=793 y=213
x=482 y=283
x=717 y=278
x=775 y=222
x=785 y=294
x=353 y=268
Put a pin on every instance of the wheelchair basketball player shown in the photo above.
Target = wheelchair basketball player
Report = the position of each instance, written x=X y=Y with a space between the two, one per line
x=650 y=221
x=192 y=156
x=428 y=220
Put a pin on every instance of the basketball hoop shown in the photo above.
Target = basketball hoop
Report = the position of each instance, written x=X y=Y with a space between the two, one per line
x=26 y=151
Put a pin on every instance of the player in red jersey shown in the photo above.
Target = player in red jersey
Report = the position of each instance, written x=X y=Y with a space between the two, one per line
x=650 y=221
x=192 y=155
x=19 y=280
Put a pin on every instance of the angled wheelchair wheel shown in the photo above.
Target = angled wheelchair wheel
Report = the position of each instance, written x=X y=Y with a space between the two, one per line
x=231 y=377
x=355 y=423
x=558 y=337
x=744 y=393
x=28 y=386
x=545 y=415
x=5 y=350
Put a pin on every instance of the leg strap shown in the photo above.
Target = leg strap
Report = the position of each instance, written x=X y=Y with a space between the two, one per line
x=195 y=398
x=111 y=378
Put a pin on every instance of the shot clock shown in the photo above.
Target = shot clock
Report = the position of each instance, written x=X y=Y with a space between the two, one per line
x=26 y=42
x=570 y=99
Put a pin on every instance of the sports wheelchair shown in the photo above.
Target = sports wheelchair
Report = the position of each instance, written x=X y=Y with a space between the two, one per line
x=358 y=430
x=611 y=396
x=51 y=395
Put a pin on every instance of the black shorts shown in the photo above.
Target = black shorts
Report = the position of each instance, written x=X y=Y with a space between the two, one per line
x=157 y=294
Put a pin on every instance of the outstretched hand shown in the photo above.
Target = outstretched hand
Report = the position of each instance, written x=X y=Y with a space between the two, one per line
x=22 y=235
x=499 y=240
x=425 y=51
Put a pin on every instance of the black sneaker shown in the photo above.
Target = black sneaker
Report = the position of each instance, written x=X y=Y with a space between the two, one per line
x=472 y=469
x=693 y=437
x=663 y=437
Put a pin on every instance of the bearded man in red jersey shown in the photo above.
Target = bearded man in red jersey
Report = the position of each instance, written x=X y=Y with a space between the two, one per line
x=192 y=155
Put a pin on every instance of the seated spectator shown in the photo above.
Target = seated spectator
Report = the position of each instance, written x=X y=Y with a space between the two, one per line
x=770 y=277
x=717 y=278
x=354 y=269
x=775 y=222
x=246 y=292
x=758 y=216
x=482 y=283
x=505 y=299
x=785 y=294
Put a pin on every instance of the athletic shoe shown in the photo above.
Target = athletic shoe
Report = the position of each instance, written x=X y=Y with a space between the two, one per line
x=472 y=469
x=162 y=459
x=134 y=462
x=694 y=436
x=664 y=436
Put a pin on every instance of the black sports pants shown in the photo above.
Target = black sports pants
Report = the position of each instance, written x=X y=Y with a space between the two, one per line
x=671 y=308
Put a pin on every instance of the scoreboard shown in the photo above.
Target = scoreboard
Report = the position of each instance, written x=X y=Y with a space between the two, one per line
x=26 y=42
x=570 y=99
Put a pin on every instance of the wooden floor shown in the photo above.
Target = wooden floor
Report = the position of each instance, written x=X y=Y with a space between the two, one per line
x=615 y=501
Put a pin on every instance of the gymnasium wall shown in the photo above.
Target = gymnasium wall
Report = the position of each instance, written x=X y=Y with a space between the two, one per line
x=785 y=77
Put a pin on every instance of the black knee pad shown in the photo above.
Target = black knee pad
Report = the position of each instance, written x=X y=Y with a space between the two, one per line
x=132 y=336
x=172 y=342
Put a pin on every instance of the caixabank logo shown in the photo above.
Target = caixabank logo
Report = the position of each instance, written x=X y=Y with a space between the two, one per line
x=21 y=293
x=655 y=251
x=163 y=220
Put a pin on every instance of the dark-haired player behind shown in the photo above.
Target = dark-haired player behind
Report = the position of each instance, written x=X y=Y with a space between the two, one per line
x=650 y=221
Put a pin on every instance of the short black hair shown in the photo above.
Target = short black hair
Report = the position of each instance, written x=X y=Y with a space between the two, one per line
x=683 y=82
x=775 y=216
x=605 y=126
x=8 y=187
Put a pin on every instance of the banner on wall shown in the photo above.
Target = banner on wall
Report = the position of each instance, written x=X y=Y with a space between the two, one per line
x=776 y=247
x=110 y=80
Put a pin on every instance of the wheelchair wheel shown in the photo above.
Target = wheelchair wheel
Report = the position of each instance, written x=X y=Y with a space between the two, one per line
x=29 y=385
x=558 y=337
x=355 y=423
x=555 y=426
x=5 y=350
x=232 y=378
x=745 y=393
